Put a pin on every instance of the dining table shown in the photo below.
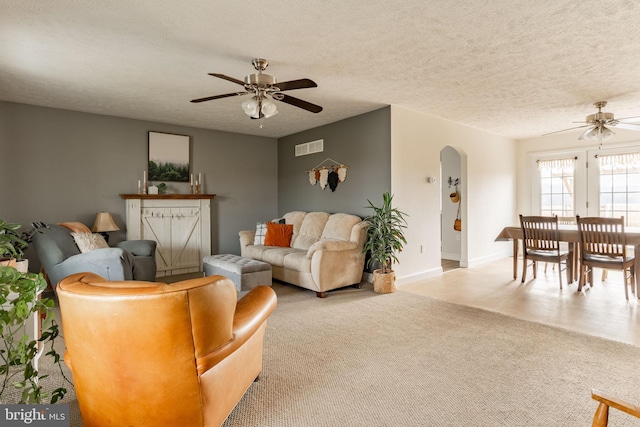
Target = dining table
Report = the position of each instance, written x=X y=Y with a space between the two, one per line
x=569 y=233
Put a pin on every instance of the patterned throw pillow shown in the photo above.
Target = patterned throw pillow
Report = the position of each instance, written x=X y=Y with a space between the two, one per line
x=261 y=231
x=88 y=242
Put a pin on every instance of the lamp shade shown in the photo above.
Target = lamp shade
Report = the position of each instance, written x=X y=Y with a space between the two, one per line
x=269 y=109
x=104 y=222
x=250 y=107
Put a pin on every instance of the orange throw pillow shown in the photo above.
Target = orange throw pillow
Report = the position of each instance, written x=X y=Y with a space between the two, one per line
x=278 y=234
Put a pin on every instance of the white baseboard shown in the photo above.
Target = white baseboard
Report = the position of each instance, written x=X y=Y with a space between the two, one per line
x=451 y=257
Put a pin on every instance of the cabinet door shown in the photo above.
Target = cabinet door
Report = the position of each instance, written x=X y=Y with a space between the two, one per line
x=156 y=225
x=185 y=238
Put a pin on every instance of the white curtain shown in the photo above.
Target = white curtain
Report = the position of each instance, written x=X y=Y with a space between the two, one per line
x=620 y=161
x=562 y=164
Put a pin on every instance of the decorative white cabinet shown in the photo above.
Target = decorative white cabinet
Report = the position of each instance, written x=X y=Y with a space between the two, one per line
x=179 y=223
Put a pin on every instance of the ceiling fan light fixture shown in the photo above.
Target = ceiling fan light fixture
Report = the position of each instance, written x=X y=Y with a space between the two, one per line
x=269 y=109
x=599 y=134
x=250 y=107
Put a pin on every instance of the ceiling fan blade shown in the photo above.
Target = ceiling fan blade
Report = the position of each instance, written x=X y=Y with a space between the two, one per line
x=564 y=130
x=634 y=118
x=299 y=103
x=226 y=95
x=629 y=126
x=295 y=84
x=231 y=79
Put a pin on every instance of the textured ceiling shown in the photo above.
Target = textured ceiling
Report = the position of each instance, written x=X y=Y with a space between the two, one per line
x=514 y=68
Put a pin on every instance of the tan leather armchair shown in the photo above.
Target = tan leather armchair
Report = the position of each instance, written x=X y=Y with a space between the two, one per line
x=152 y=354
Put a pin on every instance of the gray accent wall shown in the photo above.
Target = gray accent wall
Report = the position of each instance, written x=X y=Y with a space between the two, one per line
x=362 y=142
x=59 y=165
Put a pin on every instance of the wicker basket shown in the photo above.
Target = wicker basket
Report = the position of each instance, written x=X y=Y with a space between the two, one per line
x=384 y=283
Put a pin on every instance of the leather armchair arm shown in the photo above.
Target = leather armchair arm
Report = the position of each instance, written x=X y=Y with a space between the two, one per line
x=252 y=311
x=110 y=263
x=139 y=247
x=331 y=245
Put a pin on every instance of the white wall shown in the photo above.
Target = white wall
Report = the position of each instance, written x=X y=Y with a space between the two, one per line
x=488 y=188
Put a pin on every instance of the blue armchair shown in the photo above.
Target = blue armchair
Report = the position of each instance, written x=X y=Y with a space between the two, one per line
x=60 y=256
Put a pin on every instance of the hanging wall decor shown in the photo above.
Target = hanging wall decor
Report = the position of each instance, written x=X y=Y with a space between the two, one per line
x=330 y=175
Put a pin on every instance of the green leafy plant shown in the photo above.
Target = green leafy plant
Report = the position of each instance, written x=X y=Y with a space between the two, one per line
x=385 y=235
x=20 y=303
x=11 y=243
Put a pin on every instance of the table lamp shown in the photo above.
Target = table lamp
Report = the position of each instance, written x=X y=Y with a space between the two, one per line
x=103 y=224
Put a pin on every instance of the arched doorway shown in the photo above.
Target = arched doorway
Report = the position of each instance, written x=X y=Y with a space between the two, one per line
x=451 y=179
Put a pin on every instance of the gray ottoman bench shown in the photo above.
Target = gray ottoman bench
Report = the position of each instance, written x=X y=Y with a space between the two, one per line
x=245 y=273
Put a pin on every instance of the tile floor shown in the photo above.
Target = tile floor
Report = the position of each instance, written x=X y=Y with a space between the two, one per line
x=600 y=311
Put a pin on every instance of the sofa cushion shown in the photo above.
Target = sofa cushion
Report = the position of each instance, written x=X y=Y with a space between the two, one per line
x=295 y=218
x=298 y=261
x=278 y=234
x=339 y=226
x=256 y=251
x=310 y=230
x=275 y=255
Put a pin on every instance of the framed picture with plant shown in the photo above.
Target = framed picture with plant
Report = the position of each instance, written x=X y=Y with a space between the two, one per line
x=168 y=157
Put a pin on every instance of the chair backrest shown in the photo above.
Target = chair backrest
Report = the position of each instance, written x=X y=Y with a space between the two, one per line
x=602 y=236
x=143 y=340
x=540 y=233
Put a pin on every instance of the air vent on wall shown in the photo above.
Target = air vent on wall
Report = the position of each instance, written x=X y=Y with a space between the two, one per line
x=310 y=147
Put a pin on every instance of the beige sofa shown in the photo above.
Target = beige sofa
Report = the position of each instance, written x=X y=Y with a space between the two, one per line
x=325 y=251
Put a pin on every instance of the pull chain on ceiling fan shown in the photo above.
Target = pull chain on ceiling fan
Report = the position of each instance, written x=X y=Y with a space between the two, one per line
x=599 y=125
x=264 y=86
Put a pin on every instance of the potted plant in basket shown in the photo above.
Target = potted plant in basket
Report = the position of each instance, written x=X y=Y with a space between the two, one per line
x=21 y=310
x=385 y=238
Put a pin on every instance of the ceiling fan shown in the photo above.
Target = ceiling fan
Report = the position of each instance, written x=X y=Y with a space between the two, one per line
x=262 y=86
x=599 y=124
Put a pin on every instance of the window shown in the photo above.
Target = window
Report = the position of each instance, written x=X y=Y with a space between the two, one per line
x=619 y=186
x=603 y=182
x=557 y=191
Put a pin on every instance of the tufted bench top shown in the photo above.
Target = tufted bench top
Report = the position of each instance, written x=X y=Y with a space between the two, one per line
x=236 y=264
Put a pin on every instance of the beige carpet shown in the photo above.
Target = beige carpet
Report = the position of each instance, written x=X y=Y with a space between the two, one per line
x=361 y=359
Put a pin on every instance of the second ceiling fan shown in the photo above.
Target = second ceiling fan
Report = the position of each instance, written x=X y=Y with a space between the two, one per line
x=263 y=86
x=599 y=124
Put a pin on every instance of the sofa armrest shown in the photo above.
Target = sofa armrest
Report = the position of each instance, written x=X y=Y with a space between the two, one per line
x=247 y=237
x=331 y=245
x=110 y=263
x=139 y=247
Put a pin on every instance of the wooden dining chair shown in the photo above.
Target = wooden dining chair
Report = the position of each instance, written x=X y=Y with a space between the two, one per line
x=563 y=220
x=541 y=243
x=603 y=244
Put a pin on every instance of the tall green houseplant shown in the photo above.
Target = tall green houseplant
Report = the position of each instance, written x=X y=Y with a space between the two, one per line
x=385 y=238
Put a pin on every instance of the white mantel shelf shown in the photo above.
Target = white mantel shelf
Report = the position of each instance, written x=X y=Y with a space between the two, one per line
x=167 y=196
x=179 y=223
